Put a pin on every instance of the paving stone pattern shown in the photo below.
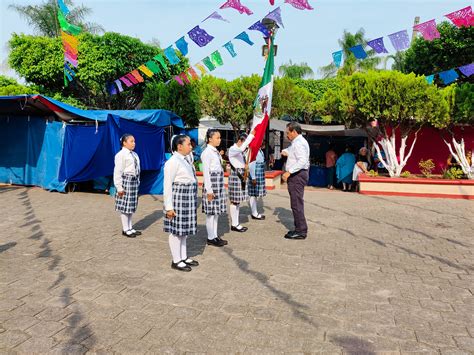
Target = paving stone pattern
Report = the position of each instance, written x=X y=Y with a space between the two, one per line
x=376 y=275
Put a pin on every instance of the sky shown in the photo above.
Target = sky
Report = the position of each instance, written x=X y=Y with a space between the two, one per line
x=308 y=36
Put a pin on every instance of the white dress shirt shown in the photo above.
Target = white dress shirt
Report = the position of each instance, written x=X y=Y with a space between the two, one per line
x=127 y=162
x=298 y=155
x=177 y=170
x=211 y=162
x=253 y=165
x=236 y=153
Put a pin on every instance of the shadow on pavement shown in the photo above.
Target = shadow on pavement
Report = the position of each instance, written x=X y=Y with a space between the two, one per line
x=5 y=247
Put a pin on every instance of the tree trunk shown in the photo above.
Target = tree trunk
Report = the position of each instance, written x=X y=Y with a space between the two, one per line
x=459 y=153
x=391 y=162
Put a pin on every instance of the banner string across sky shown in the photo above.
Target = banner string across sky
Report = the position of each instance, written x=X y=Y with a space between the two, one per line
x=201 y=38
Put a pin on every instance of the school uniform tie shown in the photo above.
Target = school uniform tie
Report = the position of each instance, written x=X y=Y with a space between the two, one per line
x=135 y=161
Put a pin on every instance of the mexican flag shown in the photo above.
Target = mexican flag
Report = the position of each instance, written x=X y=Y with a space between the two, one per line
x=263 y=105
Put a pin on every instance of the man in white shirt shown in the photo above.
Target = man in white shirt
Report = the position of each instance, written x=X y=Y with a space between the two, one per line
x=297 y=175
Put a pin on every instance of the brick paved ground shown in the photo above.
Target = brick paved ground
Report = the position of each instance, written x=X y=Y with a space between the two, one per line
x=376 y=274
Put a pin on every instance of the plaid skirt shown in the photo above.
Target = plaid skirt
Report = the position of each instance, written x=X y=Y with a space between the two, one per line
x=185 y=206
x=128 y=203
x=218 y=205
x=259 y=189
x=236 y=193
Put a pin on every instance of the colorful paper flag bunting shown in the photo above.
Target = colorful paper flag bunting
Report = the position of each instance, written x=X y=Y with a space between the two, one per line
x=244 y=37
x=146 y=71
x=126 y=81
x=337 y=57
x=448 y=76
x=230 y=48
x=66 y=26
x=193 y=73
x=159 y=58
x=182 y=45
x=62 y=6
x=130 y=77
x=208 y=63
x=119 y=85
x=258 y=26
x=184 y=77
x=467 y=70
x=235 y=4
x=201 y=68
x=69 y=77
x=377 y=45
x=400 y=40
x=299 y=4
x=463 y=17
x=428 y=30
x=216 y=59
x=215 y=15
x=171 y=55
x=111 y=89
x=429 y=79
x=358 y=51
x=71 y=40
x=200 y=36
x=275 y=15
x=137 y=76
x=178 y=79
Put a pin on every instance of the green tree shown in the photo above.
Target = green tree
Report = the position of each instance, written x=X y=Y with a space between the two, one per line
x=102 y=59
x=43 y=18
x=455 y=48
x=317 y=87
x=295 y=71
x=398 y=103
x=292 y=100
x=9 y=87
x=351 y=63
x=182 y=100
x=398 y=61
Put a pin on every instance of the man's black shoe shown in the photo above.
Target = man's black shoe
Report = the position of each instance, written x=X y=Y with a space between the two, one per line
x=215 y=242
x=296 y=236
x=290 y=233
x=260 y=218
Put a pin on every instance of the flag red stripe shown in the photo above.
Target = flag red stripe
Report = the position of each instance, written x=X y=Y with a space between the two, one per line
x=256 y=143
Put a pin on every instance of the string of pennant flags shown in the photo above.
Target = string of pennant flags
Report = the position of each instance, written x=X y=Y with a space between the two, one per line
x=70 y=42
x=201 y=38
x=401 y=40
x=451 y=75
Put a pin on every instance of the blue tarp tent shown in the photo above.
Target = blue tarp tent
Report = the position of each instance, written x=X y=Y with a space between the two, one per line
x=48 y=143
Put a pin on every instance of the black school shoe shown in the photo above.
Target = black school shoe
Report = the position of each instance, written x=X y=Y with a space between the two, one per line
x=136 y=232
x=296 y=236
x=216 y=242
x=176 y=266
x=240 y=230
x=222 y=240
x=191 y=262
x=128 y=234
x=261 y=218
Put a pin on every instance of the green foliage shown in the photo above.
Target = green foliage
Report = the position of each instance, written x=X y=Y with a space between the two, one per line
x=182 y=100
x=317 y=87
x=426 y=167
x=455 y=48
x=453 y=174
x=9 y=87
x=292 y=100
x=372 y=173
x=393 y=98
x=43 y=18
x=463 y=109
x=295 y=71
x=102 y=59
x=351 y=63
x=406 y=174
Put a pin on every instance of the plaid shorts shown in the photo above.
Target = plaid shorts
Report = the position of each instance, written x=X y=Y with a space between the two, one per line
x=218 y=205
x=185 y=206
x=128 y=203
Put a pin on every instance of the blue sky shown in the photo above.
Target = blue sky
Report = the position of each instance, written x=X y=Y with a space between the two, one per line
x=308 y=36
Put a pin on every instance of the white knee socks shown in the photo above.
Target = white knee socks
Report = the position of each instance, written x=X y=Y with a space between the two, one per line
x=253 y=206
x=176 y=247
x=126 y=221
x=211 y=226
x=234 y=214
x=184 y=252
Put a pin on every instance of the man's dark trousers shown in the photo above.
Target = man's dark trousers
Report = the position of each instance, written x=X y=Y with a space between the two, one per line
x=296 y=184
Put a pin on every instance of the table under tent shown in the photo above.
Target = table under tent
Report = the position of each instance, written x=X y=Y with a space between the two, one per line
x=50 y=144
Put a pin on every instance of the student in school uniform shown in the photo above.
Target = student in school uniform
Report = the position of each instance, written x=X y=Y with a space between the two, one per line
x=256 y=185
x=237 y=179
x=180 y=201
x=214 y=202
x=127 y=183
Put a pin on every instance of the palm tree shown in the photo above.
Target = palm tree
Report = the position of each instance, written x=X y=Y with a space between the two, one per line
x=351 y=64
x=295 y=71
x=398 y=61
x=44 y=17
